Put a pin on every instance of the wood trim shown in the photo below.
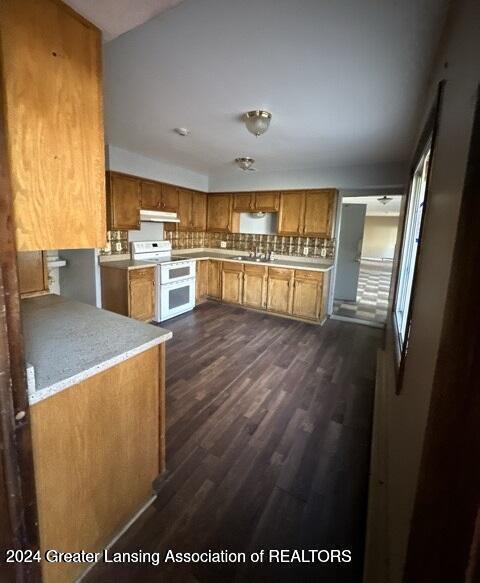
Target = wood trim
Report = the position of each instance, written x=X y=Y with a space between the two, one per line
x=19 y=529
x=162 y=465
x=429 y=132
x=444 y=543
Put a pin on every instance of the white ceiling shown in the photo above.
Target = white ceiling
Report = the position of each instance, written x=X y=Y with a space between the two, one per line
x=376 y=208
x=343 y=80
x=115 y=17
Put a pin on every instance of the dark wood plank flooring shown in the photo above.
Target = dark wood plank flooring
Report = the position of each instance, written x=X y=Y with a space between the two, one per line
x=268 y=436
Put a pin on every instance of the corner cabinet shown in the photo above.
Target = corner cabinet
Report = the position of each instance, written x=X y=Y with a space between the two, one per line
x=52 y=78
x=123 y=202
x=307 y=213
x=130 y=292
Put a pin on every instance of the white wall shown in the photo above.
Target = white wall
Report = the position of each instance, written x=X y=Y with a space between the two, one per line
x=379 y=237
x=369 y=177
x=80 y=278
x=132 y=163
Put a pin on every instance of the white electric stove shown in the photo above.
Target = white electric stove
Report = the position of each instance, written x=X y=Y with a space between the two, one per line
x=174 y=278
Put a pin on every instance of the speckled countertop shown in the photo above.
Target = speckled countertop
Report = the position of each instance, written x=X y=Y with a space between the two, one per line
x=127 y=264
x=308 y=264
x=68 y=342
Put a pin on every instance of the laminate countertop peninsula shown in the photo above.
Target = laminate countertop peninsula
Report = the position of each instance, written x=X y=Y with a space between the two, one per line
x=307 y=263
x=67 y=341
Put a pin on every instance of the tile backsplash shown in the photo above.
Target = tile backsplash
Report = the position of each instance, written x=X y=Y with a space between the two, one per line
x=295 y=246
x=245 y=242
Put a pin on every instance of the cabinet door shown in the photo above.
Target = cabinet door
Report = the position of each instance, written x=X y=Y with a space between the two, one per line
x=290 y=217
x=52 y=86
x=124 y=202
x=32 y=272
x=279 y=293
x=169 y=198
x=232 y=286
x=201 y=281
x=307 y=295
x=255 y=287
x=151 y=195
x=184 y=208
x=319 y=208
x=199 y=211
x=214 y=283
x=219 y=208
x=268 y=202
x=142 y=294
x=244 y=202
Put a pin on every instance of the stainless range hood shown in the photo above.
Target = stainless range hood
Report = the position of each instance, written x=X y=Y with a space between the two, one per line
x=158 y=217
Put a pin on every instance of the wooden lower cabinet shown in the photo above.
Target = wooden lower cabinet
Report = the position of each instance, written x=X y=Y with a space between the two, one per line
x=32 y=273
x=130 y=292
x=255 y=283
x=214 y=279
x=97 y=447
x=201 y=281
x=279 y=295
x=307 y=294
x=232 y=282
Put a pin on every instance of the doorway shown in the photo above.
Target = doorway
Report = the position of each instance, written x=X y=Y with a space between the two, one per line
x=366 y=247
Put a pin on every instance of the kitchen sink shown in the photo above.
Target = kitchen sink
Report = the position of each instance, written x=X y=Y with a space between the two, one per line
x=251 y=259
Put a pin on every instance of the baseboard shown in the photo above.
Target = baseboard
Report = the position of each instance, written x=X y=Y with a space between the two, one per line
x=357 y=321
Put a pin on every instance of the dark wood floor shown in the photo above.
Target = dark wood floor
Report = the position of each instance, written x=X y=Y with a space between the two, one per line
x=269 y=424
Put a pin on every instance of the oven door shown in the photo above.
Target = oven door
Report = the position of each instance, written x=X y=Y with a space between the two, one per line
x=178 y=271
x=176 y=298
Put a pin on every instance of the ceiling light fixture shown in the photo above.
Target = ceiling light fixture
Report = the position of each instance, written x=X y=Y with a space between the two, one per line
x=384 y=199
x=257 y=121
x=246 y=163
x=182 y=131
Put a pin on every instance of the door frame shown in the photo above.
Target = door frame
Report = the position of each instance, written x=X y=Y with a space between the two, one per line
x=17 y=480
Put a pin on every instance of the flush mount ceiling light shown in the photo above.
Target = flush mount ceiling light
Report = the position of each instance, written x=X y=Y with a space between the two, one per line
x=182 y=131
x=246 y=164
x=384 y=199
x=257 y=121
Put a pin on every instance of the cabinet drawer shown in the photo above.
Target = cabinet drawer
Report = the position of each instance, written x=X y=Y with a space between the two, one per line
x=280 y=272
x=231 y=266
x=257 y=269
x=144 y=273
x=311 y=275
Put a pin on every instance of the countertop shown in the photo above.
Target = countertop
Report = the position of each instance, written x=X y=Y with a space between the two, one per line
x=127 y=264
x=67 y=341
x=297 y=263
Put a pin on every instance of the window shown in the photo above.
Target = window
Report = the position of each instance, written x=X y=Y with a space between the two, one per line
x=411 y=242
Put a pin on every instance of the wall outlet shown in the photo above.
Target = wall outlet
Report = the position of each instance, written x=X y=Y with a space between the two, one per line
x=323 y=252
x=305 y=250
x=223 y=244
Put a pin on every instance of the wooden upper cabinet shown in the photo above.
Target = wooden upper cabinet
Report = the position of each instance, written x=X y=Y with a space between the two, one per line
x=151 y=195
x=219 y=213
x=54 y=125
x=279 y=293
x=319 y=210
x=170 y=197
x=141 y=294
x=244 y=202
x=199 y=211
x=123 y=202
x=32 y=272
x=268 y=202
x=291 y=213
x=184 y=208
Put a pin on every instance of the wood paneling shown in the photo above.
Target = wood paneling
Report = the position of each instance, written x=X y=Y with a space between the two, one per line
x=214 y=279
x=32 y=272
x=201 y=281
x=96 y=453
x=291 y=214
x=319 y=210
x=279 y=294
x=129 y=292
x=267 y=201
x=244 y=202
x=232 y=282
x=255 y=286
x=55 y=137
x=151 y=195
x=268 y=447
x=123 y=202
x=141 y=294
